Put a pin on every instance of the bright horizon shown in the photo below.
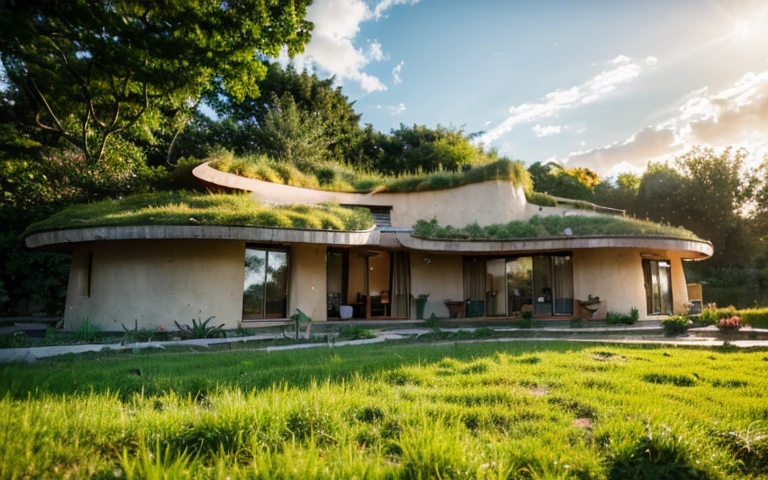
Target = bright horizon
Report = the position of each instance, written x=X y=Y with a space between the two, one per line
x=608 y=86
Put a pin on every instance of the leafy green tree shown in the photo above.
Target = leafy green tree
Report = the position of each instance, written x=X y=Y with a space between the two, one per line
x=293 y=135
x=93 y=70
x=410 y=149
x=618 y=193
x=313 y=97
x=575 y=183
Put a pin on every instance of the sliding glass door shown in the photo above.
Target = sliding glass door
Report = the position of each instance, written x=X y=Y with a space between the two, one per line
x=562 y=285
x=265 y=288
x=519 y=285
x=658 y=286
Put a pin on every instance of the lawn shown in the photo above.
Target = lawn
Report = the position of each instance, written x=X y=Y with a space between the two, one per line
x=482 y=410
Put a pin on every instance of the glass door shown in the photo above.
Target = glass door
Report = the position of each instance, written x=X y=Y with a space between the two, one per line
x=495 y=288
x=562 y=276
x=519 y=284
x=658 y=286
x=542 y=286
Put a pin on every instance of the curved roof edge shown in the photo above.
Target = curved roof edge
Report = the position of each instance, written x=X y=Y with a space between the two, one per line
x=693 y=249
x=281 y=193
x=202 y=232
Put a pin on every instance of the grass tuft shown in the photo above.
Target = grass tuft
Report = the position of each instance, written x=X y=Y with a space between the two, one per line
x=341 y=178
x=551 y=226
x=185 y=208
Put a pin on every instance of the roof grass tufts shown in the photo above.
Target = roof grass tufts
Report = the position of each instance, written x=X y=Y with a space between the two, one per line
x=552 y=226
x=342 y=178
x=185 y=208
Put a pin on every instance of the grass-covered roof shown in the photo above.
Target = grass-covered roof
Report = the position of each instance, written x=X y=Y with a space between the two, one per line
x=341 y=178
x=185 y=208
x=551 y=226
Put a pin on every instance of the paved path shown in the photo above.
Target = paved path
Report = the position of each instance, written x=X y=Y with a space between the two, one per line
x=34 y=353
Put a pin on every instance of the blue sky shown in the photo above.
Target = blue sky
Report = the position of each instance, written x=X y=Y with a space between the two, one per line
x=607 y=85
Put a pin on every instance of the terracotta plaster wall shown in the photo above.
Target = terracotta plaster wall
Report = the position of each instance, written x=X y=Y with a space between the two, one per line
x=307 y=289
x=616 y=276
x=154 y=283
x=442 y=279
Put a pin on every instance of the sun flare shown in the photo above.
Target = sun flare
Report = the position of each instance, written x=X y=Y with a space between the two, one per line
x=742 y=30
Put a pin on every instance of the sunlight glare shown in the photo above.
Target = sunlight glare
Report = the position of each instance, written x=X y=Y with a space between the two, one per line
x=742 y=30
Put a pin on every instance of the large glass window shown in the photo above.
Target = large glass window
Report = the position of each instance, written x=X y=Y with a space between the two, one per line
x=658 y=286
x=265 y=289
x=542 y=284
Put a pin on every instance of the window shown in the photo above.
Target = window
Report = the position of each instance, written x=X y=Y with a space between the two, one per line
x=542 y=284
x=658 y=286
x=265 y=289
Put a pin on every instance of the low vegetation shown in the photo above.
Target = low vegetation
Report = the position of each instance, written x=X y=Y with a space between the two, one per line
x=185 y=208
x=756 y=317
x=675 y=325
x=618 y=318
x=341 y=178
x=551 y=226
x=487 y=410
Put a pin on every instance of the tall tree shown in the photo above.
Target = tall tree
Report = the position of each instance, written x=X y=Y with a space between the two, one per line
x=92 y=70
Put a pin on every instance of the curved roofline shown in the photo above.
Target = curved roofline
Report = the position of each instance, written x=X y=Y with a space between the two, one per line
x=694 y=249
x=208 y=174
x=202 y=232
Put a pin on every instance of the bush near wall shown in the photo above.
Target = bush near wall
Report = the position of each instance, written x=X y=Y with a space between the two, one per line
x=756 y=317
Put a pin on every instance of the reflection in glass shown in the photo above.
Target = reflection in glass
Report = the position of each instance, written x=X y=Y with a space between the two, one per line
x=495 y=287
x=265 y=286
x=277 y=284
x=519 y=275
x=253 y=288
x=542 y=286
x=563 y=284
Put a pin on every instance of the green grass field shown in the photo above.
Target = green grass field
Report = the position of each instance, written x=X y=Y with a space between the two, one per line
x=483 y=410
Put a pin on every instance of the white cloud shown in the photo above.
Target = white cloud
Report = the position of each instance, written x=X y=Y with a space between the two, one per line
x=621 y=60
x=375 y=52
x=622 y=70
x=651 y=60
x=737 y=115
x=333 y=50
x=380 y=9
x=546 y=131
x=393 y=109
x=396 y=73
x=487 y=123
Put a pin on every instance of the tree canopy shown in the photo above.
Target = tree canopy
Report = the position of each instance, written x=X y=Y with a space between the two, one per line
x=91 y=70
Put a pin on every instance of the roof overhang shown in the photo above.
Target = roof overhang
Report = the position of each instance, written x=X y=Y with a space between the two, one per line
x=67 y=239
x=690 y=249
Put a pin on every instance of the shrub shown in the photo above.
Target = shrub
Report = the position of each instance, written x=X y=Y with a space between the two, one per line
x=541 y=199
x=674 y=326
x=87 y=331
x=200 y=329
x=616 y=318
x=355 y=332
x=526 y=319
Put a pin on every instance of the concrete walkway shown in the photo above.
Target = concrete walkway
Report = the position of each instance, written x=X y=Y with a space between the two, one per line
x=597 y=335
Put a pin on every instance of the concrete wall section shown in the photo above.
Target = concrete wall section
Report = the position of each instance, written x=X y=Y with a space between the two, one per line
x=156 y=283
x=306 y=290
x=616 y=276
x=442 y=279
x=486 y=203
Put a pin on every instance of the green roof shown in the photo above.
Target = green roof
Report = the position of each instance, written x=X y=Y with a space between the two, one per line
x=340 y=178
x=552 y=226
x=185 y=208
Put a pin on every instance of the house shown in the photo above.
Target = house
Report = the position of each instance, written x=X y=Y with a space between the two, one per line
x=154 y=274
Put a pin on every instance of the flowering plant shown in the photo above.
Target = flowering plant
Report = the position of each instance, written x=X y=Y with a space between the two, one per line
x=732 y=323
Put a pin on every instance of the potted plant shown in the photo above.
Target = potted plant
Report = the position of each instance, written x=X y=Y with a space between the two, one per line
x=421 y=303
